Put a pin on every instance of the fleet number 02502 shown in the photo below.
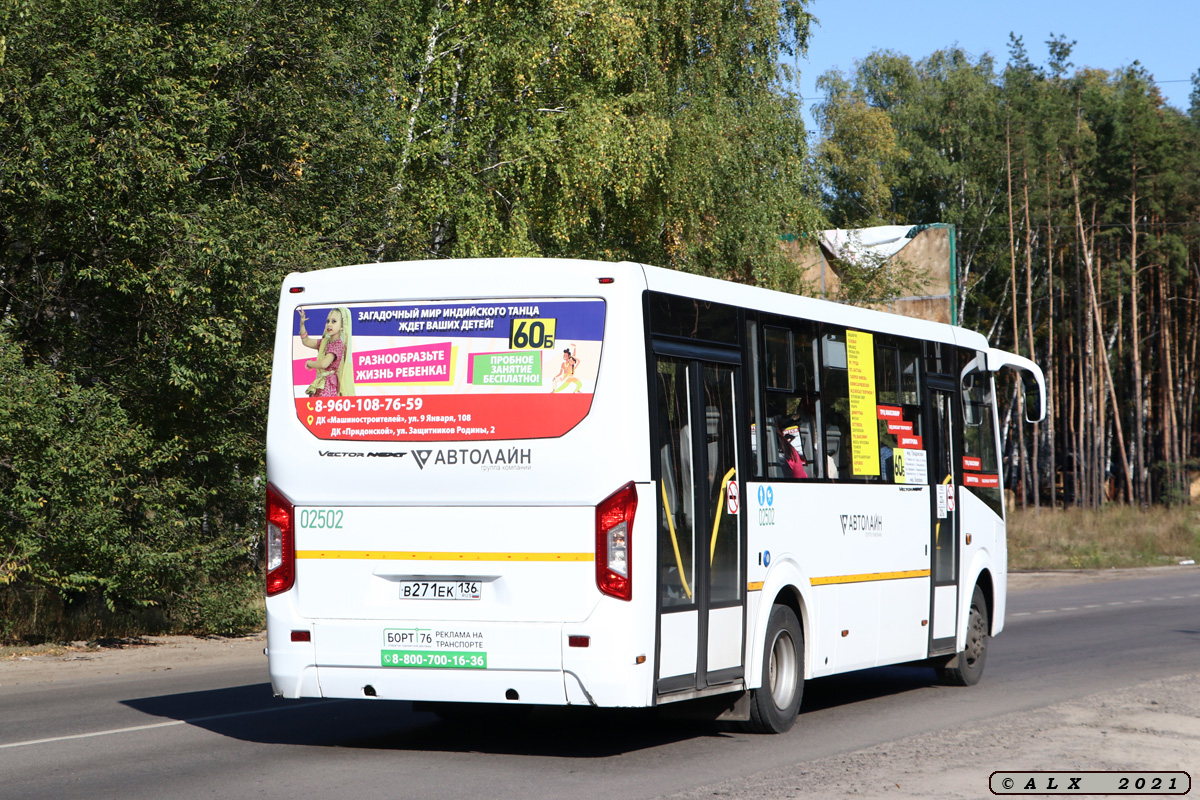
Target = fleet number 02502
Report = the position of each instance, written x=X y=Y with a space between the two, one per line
x=326 y=518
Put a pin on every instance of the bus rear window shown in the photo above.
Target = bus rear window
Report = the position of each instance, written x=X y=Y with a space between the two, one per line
x=444 y=371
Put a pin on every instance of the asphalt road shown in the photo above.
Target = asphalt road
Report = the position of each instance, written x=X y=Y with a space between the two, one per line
x=216 y=731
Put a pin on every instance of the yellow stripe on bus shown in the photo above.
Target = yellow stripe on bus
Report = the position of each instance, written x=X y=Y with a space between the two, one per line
x=874 y=576
x=406 y=555
x=754 y=586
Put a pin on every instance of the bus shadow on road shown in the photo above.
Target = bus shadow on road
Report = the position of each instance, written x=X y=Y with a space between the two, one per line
x=250 y=713
x=864 y=685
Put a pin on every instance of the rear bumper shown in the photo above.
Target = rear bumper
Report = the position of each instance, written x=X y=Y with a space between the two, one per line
x=525 y=662
x=543 y=687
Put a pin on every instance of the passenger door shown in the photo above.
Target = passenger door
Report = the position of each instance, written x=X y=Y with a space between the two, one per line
x=700 y=552
x=944 y=444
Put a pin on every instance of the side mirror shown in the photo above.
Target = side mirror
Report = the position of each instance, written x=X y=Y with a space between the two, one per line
x=1033 y=383
x=1033 y=397
x=971 y=415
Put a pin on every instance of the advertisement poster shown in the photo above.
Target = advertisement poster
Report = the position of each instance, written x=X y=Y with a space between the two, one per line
x=446 y=371
x=864 y=427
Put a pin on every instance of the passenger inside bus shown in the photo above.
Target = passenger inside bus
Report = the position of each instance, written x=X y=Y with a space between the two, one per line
x=833 y=447
x=791 y=456
x=803 y=428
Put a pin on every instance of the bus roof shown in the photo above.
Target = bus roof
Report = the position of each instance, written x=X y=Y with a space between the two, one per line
x=718 y=291
x=499 y=277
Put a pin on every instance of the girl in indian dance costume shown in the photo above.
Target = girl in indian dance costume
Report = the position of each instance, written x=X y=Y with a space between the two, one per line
x=335 y=372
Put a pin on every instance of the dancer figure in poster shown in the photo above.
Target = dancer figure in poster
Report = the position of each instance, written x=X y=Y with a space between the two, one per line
x=566 y=372
x=335 y=372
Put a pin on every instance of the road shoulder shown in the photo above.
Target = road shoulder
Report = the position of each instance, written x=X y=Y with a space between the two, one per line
x=82 y=661
x=1150 y=726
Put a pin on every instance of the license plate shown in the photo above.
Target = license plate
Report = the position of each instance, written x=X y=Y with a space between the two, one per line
x=439 y=590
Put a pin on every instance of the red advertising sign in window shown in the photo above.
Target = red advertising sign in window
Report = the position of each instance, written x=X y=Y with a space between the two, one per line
x=981 y=479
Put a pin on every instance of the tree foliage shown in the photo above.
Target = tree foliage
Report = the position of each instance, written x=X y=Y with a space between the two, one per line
x=659 y=132
x=859 y=153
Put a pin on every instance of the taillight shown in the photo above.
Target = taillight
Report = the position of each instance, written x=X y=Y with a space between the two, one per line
x=281 y=551
x=614 y=532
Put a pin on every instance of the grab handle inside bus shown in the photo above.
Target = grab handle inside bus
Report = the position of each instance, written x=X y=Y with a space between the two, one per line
x=712 y=548
x=675 y=542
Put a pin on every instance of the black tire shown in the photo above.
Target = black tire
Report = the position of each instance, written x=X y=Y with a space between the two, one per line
x=966 y=668
x=774 y=706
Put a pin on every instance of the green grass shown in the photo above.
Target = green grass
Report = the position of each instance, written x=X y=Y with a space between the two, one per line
x=1115 y=536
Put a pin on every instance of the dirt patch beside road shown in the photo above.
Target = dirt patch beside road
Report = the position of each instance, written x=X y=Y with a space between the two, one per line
x=82 y=661
x=1153 y=726
x=1044 y=579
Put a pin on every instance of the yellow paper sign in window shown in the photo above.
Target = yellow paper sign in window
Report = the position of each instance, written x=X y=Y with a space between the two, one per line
x=864 y=428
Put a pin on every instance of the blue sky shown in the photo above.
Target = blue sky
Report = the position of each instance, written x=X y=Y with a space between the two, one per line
x=1164 y=35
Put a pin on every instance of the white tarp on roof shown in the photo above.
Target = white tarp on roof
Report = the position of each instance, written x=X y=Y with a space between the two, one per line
x=850 y=245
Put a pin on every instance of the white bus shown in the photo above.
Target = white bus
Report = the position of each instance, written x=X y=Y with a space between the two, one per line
x=542 y=481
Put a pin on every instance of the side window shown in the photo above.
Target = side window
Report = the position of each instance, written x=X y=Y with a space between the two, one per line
x=689 y=318
x=980 y=461
x=791 y=441
x=835 y=403
x=781 y=375
x=898 y=393
x=871 y=399
x=939 y=358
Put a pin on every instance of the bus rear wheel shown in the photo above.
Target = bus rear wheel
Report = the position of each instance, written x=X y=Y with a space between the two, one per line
x=966 y=668
x=773 y=706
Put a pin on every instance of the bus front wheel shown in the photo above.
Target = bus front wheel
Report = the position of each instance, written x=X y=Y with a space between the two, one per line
x=773 y=706
x=966 y=668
